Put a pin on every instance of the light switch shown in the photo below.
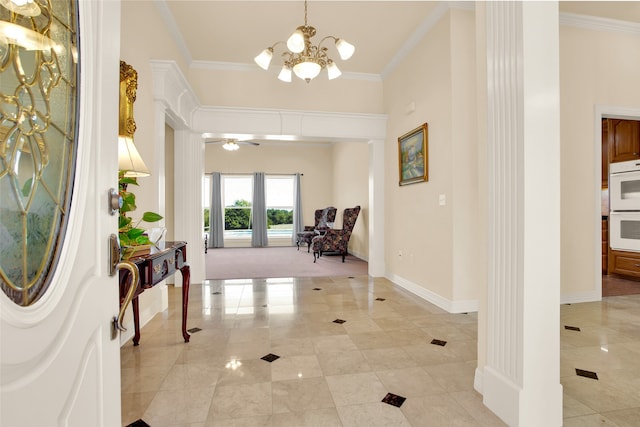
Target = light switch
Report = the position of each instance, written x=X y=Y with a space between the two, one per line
x=442 y=200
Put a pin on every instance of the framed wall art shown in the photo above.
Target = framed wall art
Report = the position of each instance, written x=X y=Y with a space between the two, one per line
x=413 y=156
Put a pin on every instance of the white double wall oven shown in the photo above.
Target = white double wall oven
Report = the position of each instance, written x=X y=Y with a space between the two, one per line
x=624 y=204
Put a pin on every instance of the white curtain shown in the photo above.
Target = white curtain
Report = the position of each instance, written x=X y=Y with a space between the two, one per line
x=298 y=222
x=259 y=226
x=216 y=226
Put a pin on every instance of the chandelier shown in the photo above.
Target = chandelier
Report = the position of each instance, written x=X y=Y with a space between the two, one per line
x=303 y=58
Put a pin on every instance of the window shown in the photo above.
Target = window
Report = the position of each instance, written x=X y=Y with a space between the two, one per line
x=279 y=202
x=237 y=194
x=206 y=200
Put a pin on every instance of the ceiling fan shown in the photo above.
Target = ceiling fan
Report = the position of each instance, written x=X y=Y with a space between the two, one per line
x=230 y=144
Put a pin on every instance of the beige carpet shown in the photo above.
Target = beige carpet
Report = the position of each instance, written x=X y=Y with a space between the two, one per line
x=258 y=263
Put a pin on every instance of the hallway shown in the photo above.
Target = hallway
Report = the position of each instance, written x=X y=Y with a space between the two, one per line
x=328 y=372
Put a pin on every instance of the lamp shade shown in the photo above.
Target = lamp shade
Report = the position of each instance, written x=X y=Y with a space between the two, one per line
x=129 y=159
x=295 y=43
x=285 y=74
x=333 y=71
x=307 y=70
x=264 y=59
x=345 y=49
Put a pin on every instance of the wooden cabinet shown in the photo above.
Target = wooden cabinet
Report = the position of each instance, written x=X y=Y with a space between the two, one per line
x=623 y=137
x=625 y=263
x=605 y=245
x=605 y=154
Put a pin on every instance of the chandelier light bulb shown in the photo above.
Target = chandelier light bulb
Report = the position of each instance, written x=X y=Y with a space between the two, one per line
x=264 y=59
x=307 y=70
x=285 y=74
x=295 y=43
x=345 y=49
x=230 y=146
x=333 y=71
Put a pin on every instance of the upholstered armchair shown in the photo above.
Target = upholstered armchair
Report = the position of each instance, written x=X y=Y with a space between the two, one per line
x=324 y=219
x=335 y=240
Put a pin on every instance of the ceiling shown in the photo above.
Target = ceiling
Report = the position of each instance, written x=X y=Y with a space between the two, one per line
x=236 y=31
x=213 y=32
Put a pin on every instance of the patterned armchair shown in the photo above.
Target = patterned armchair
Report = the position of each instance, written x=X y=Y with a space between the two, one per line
x=324 y=219
x=335 y=240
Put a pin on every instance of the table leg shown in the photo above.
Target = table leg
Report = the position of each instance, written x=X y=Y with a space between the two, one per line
x=186 y=277
x=136 y=320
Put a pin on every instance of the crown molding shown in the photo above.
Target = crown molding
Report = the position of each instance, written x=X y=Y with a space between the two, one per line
x=236 y=66
x=599 y=24
x=167 y=16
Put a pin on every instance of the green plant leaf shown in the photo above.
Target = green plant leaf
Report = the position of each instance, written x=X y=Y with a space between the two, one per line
x=123 y=221
x=128 y=202
x=151 y=217
x=134 y=233
x=128 y=180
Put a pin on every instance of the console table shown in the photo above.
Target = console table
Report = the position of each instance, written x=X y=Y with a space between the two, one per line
x=155 y=267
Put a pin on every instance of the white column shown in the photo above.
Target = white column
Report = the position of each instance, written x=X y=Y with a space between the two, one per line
x=189 y=217
x=159 y=174
x=521 y=378
x=376 y=208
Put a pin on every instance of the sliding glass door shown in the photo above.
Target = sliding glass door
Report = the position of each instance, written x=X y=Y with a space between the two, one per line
x=237 y=196
x=279 y=201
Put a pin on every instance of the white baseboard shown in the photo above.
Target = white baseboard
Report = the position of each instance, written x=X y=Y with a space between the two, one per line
x=579 y=297
x=462 y=306
x=477 y=380
x=359 y=255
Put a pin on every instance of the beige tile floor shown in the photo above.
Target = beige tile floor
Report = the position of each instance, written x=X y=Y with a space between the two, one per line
x=331 y=374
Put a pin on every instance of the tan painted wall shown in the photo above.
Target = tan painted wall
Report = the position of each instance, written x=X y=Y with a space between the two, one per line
x=596 y=68
x=351 y=188
x=260 y=89
x=144 y=37
x=415 y=225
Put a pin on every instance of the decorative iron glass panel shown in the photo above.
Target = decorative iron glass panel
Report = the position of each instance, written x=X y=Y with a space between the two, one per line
x=39 y=68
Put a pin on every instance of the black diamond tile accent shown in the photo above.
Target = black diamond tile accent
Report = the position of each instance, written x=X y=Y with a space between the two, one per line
x=270 y=357
x=586 y=374
x=192 y=330
x=394 y=400
x=339 y=321
x=216 y=293
x=438 y=342
x=138 y=423
x=317 y=289
x=381 y=299
x=351 y=277
x=572 y=328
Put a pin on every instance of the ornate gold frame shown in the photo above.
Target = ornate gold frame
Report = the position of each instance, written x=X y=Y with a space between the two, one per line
x=128 y=89
x=413 y=156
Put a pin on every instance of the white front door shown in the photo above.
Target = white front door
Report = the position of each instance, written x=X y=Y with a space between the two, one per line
x=58 y=363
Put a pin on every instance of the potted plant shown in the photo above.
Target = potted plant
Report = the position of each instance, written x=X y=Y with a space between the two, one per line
x=133 y=239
